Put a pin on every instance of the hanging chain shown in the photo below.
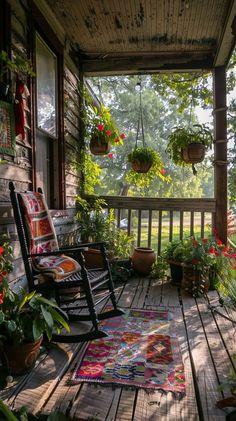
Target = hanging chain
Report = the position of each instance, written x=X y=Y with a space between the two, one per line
x=140 y=118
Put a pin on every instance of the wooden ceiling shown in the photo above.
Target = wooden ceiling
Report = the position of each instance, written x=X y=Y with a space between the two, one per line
x=145 y=36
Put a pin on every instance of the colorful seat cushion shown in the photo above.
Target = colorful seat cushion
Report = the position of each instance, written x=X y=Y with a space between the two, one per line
x=42 y=239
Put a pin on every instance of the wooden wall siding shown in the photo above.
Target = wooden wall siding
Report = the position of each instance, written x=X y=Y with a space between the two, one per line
x=72 y=136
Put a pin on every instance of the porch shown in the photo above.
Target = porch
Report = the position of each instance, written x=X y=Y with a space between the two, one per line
x=207 y=342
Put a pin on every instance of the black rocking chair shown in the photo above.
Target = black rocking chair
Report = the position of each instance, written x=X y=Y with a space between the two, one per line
x=61 y=273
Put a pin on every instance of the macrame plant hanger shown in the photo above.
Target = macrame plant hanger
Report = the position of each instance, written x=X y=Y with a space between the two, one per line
x=140 y=118
x=190 y=123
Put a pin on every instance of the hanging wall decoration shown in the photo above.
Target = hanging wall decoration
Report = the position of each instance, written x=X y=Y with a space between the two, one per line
x=7 y=129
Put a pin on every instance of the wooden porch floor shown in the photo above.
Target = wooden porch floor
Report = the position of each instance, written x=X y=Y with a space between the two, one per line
x=207 y=342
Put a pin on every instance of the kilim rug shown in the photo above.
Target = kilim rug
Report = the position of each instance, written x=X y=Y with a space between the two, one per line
x=138 y=352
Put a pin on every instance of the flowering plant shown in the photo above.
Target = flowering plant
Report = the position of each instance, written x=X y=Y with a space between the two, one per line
x=103 y=127
x=24 y=316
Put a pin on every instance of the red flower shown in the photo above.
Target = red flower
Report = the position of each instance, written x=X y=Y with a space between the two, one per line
x=1 y=250
x=117 y=140
x=122 y=136
x=225 y=249
x=100 y=127
x=219 y=242
x=211 y=250
x=195 y=242
x=194 y=262
x=163 y=171
x=110 y=155
x=204 y=240
x=1 y=297
x=108 y=132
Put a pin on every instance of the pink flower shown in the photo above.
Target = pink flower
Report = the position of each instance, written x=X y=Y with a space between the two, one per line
x=163 y=171
x=122 y=136
x=100 y=127
x=108 y=132
x=110 y=155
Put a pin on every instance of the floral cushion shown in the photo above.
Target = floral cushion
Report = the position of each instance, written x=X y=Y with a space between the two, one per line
x=42 y=239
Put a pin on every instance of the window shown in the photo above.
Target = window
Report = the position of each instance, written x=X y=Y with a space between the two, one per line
x=47 y=167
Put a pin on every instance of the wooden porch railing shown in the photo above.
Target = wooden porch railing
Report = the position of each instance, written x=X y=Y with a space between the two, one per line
x=154 y=222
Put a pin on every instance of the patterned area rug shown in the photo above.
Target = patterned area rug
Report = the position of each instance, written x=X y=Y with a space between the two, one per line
x=139 y=352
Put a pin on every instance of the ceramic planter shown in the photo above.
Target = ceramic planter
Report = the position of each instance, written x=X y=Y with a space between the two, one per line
x=176 y=271
x=193 y=153
x=143 y=259
x=20 y=359
x=98 y=146
x=195 y=280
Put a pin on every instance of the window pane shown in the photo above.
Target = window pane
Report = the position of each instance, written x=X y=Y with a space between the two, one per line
x=46 y=70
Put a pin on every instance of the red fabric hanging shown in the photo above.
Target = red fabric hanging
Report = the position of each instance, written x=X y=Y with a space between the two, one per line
x=19 y=109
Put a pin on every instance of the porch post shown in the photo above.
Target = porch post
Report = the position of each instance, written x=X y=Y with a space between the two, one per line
x=220 y=151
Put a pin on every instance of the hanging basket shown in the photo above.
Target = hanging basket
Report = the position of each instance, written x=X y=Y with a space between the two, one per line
x=193 y=153
x=141 y=167
x=98 y=146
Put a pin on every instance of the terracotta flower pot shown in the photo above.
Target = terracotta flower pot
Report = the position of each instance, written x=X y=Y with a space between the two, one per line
x=143 y=259
x=93 y=258
x=193 y=153
x=142 y=167
x=20 y=359
x=98 y=146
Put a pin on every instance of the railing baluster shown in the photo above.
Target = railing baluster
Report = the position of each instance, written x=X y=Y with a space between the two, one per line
x=149 y=228
x=139 y=226
x=118 y=217
x=192 y=224
x=202 y=224
x=159 y=233
x=181 y=225
x=129 y=222
x=171 y=226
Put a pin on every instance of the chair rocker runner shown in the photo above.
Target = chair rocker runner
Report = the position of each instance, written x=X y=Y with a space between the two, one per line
x=58 y=272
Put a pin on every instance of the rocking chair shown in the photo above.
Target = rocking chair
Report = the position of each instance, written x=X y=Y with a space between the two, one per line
x=61 y=273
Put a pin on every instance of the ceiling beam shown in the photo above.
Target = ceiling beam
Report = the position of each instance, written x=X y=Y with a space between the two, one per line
x=134 y=65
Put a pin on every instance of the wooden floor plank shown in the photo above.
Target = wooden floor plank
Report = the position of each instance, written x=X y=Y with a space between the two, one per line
x=126 y=406
x=206 y=379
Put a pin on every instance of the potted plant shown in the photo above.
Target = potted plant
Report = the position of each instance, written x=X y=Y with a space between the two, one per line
x=187 y=144
x=103 y=132
x=146 y=164
x=16 y=64
x=174 y=256
x=24 y=318
x=23 y=415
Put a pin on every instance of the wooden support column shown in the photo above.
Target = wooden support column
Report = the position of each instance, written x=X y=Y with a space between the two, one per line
x=220 y=151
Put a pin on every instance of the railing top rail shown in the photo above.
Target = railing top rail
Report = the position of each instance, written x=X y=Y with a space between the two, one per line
x=146 y=203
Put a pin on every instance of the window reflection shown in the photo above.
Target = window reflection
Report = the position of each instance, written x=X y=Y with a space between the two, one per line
x=46 y=70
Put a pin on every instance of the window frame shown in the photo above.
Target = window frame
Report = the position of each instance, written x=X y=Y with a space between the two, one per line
x=40 y=25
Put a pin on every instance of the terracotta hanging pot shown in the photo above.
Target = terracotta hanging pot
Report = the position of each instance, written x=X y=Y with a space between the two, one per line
x=19 y=359
x=141 y=167
x=143 y=259
x=193 y=153
x=98 y=146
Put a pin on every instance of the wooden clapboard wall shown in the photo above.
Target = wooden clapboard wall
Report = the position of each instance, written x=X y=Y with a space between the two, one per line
x=19 y=168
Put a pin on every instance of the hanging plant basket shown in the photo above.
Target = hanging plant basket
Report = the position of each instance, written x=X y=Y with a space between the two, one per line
x=99 y=146
x=194 y=153
x=141 y=167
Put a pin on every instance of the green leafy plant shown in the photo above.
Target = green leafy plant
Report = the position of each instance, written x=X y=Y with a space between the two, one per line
x=146 y=155
x=159 y=268
x=183 y=136
x=23 y=415
x=16 y=64
x=97 y=225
